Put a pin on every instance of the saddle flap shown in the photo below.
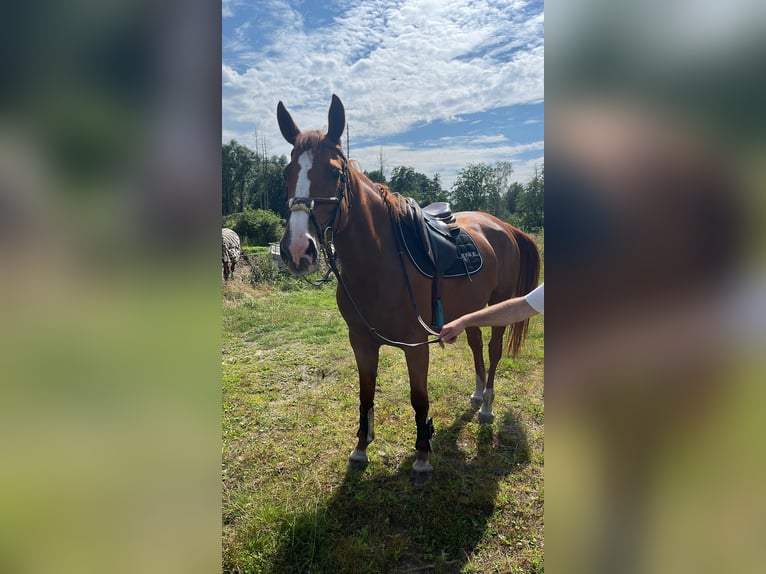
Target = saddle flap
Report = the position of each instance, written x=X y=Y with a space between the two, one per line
x=442 y=244
x=439 y=227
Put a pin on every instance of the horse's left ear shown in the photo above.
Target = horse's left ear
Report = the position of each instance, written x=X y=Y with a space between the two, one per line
x=336 y=120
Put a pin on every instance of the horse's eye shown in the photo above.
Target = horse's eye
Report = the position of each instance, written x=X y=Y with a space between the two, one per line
x=335 y=172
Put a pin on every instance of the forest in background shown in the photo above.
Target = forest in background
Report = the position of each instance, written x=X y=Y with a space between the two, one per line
x=254 y=193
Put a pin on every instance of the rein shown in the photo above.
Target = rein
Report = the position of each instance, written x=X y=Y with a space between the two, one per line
x=306 y=204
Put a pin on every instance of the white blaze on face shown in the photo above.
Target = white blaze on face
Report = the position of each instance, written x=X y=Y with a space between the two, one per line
x=299 y=220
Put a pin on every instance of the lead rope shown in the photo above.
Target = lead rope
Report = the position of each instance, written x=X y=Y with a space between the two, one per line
x=329 y=250
x=370 y=328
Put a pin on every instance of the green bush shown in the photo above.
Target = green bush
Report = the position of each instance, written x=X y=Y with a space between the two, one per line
x=255 y=226
x=264 y=270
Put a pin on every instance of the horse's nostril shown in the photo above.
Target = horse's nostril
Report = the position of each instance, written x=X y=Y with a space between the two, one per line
x=311 y=250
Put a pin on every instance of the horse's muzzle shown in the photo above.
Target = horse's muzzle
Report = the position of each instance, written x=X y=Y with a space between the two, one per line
x=300 y=259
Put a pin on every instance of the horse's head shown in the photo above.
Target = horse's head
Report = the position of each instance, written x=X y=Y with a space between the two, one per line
x=317 y=182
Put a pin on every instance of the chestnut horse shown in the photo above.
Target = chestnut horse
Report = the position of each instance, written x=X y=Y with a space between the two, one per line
x=336 y=209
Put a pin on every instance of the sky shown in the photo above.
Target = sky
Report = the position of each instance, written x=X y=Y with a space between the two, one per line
x=430 y=84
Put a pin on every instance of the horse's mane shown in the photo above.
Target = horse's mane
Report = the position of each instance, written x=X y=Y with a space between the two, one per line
x=389 y=197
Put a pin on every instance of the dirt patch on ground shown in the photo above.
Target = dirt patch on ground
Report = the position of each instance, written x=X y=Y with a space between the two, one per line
x=242 y=270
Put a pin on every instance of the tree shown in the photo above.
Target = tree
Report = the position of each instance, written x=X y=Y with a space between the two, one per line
x=531 y=203
x=269 y=187
x=410 y=183
x=432 y=190
x=237 y=163
x=403 y=180
x=252 y=180
x=476 y=189
x=376 y=176
x=511 y=197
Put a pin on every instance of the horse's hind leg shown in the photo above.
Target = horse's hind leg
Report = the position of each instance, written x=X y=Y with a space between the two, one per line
x=473 y=334
x=495 y=353
x=366 y=353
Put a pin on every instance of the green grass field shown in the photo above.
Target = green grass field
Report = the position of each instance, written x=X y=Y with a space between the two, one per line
x=290 y=414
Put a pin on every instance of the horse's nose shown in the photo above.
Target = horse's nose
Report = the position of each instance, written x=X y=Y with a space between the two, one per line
x=298 y=249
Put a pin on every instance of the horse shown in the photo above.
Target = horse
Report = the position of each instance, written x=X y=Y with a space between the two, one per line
x=334 y=208
x=230 y=252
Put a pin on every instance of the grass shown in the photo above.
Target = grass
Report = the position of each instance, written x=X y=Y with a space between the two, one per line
x=290 y=414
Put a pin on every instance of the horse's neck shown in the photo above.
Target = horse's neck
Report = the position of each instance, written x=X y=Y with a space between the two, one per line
x=369 y=233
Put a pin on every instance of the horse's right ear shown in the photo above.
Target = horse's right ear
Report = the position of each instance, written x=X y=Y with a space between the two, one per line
x=286 y=124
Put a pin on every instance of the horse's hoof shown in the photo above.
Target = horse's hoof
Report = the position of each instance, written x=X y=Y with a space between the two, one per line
x=476 y=400
x=358 y=459
x=422 y=472
x=486 y=418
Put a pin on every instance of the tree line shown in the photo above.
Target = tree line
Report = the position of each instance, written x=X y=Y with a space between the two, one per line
x=254 y=192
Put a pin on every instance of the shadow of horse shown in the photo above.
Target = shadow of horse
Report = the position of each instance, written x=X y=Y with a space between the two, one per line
x=385 y=523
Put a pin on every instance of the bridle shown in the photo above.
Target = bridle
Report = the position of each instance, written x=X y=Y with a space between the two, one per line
x=306 y=205
x=327 y=235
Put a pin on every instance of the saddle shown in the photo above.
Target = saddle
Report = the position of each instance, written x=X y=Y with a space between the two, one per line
x=437 y=246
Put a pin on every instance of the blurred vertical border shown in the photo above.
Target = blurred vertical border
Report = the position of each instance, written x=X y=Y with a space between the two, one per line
x=110 y=291
x=656 y=323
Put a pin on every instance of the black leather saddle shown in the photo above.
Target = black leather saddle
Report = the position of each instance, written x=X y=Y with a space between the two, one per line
x=436 y=246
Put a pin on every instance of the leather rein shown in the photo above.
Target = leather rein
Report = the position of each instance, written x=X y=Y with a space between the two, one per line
x=327 y=245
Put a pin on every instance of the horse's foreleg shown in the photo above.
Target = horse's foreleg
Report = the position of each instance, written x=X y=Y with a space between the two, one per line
x=495 y=353
x=417 y=367
x=473 y=334
x=366 y=354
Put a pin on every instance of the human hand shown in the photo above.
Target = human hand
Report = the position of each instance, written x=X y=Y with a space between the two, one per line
x=450 y=332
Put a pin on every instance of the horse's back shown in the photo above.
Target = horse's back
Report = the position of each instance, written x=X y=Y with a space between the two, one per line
x=230 y=237
x=514 y=253
x=489 y=232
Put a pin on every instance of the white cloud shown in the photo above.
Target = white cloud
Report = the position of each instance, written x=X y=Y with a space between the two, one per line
x=449 y=157
x=395 y=65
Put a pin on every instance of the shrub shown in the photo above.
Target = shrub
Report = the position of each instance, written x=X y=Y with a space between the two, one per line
x=264 y=270
x=255 y=226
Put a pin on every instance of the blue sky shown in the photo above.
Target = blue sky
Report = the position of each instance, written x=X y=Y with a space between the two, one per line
x=432 y=84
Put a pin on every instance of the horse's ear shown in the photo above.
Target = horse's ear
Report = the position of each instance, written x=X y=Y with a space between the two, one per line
x=336 y=120
x=286 y=124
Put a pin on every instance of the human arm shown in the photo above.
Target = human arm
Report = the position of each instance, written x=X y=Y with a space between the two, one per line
x=504 y=313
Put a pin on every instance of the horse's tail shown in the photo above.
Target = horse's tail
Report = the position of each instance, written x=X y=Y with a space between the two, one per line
x=529 y=274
